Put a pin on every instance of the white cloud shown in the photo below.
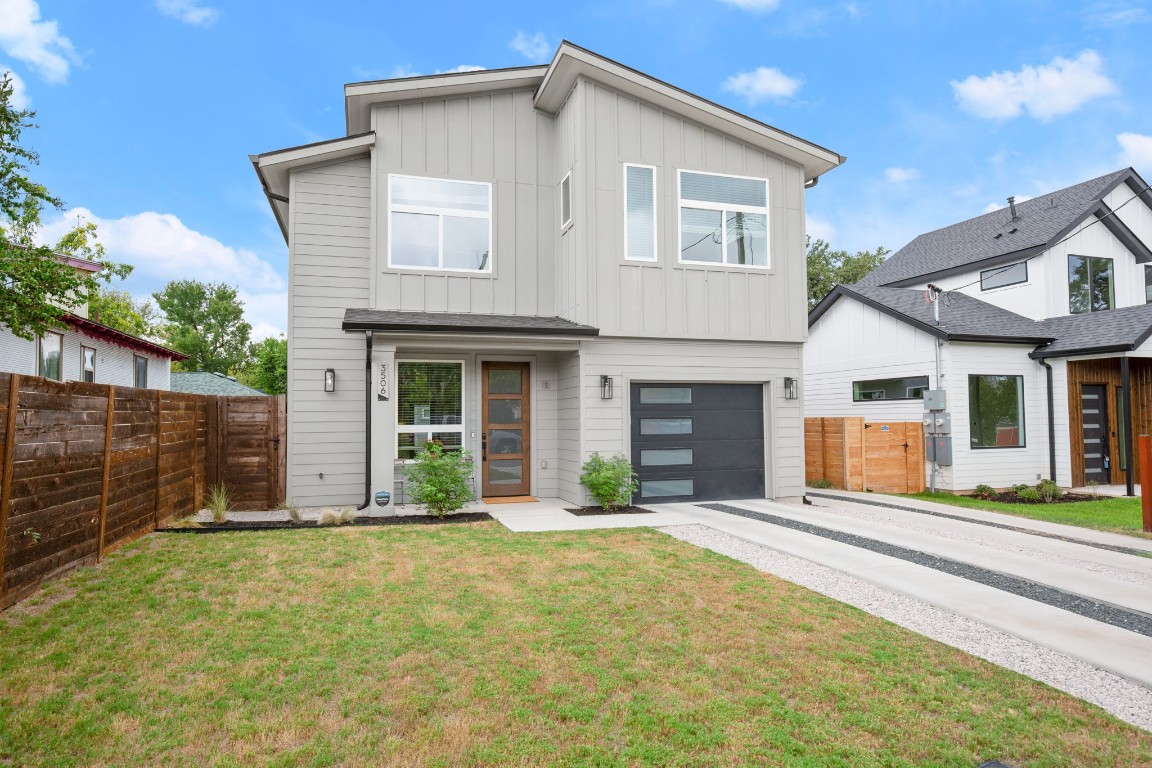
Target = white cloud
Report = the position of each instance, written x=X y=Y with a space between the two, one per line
x=461 y=68
x=753 y=5
x=763 y=83
x=1136 y=150
x=406 y=70
x=19 y=99
x=35 y=41
x=535 y=47
x=999 y=206
x=1115 y=14
x=189 y=12
x=162 y=248
x=1052 y=89
x=820 y=228
x=901 y=175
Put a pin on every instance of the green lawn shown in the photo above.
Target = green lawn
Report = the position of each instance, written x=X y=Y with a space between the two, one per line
x=470 y=645
x=1118 y=515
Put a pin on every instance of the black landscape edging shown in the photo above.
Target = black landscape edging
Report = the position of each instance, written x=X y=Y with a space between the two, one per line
x=1107 y=613
x=272 y=525
x=597 y=511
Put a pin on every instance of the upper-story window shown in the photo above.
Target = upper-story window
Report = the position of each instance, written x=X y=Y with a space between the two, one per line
x=1091 y=284
x=566 y=201
x=723 y=219
x=639 y=213
x=998 y=277
x=439 y=224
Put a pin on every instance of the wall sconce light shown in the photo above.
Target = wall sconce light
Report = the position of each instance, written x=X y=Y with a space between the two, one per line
x=791 y=390
x=605 y=387
x=329 y=380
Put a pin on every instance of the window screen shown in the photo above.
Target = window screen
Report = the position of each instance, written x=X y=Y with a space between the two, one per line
x=640 y=213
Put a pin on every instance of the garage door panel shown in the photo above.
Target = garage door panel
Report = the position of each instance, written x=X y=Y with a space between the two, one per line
x=705 y=454
x=713 y=425
x=705 y=486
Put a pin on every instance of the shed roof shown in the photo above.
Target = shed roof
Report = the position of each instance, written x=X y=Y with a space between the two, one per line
x=459 y=322
x=209 y=383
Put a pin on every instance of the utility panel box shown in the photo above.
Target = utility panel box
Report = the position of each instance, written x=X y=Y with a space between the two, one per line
x=935 y=400
x=938 y=448
x=937 y=422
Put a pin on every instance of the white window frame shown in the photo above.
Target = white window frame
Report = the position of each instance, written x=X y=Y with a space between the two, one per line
x=681 y=203
x=59 y=358
x=566 y=183
x=430 y=428
x=440 y=213
x=146 y=366
x=655 y=214
x=83 y=370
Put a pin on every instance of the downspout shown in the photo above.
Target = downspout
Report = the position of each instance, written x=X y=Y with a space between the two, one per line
x=1129 y=459
x=367 y=421
x=1051 y=421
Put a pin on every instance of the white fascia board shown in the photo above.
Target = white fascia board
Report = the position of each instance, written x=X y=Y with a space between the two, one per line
x=359 y=97
x=572 y=62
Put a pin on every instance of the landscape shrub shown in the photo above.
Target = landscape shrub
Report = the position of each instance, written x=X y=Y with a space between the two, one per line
x=1049 y=490
x=218 y=503
x=1030 y=495
x=610 y=481
x=1020 y=487
x=440 y=479
x=984 y=491
x=820 y=484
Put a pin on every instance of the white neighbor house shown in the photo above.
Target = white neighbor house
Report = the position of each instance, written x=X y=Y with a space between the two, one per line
x=538 y=263
x=1043 y=342
x=83 y=349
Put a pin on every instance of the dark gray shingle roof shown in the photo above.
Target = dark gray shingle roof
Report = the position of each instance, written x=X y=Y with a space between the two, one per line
x=205 y=383
x=1115 y=330
x=459 y=322
x=1041 y=219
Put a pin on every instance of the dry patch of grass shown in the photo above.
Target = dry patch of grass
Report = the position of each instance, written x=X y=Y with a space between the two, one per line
x=470 y=645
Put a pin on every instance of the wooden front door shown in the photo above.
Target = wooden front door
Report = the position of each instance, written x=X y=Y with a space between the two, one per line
x=505 y=460
x=1095 y=429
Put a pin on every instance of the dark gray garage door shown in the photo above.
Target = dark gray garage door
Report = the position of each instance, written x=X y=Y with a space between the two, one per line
x=697 y=442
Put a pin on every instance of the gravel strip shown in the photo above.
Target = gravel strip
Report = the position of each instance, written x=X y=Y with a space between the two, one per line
x=889 y=519
x=1133 y=621
x=989 y=523
x=1121 y=698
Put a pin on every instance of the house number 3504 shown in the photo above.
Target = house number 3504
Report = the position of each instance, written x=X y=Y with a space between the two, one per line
x=382 y=392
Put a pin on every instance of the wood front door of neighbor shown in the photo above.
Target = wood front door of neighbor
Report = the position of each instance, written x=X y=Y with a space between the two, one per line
x=505 y=460
x=1095 y=427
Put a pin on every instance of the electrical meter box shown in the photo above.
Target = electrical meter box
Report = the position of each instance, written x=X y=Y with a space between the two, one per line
x=935 y=400
x=937 y=422
x=938 y=448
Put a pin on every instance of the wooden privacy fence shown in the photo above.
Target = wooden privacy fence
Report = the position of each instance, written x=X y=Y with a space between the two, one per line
x=855 y=455
x=85 y=468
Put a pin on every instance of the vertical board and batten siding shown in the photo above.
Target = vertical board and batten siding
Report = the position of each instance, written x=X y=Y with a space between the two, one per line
x=570 y=449
x=606 y=426
x=1028 y=298
x=572 y=278
x=496 y=138
x=667 y=298
x=329 y=271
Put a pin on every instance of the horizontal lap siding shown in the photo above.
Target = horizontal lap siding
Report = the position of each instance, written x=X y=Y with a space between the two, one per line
x=329 y=270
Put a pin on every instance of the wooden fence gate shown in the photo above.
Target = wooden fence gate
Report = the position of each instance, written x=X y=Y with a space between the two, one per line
x=855 y=455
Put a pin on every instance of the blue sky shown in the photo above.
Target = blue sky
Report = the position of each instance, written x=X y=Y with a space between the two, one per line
x=149 y=109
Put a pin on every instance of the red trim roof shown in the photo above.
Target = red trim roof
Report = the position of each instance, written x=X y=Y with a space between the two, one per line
x=119 y=338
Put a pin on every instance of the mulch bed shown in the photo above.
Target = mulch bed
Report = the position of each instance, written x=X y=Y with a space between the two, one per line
x=593 y=511
x=1011 y=498
x=462 y=517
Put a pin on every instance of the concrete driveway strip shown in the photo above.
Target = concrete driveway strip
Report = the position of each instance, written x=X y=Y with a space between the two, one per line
x=1125 y=653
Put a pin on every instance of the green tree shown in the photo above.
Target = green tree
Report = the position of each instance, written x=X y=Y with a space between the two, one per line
x=827 y=267
x=206 y=322
x=38 y=285
x=267 y=366
x=117 y=309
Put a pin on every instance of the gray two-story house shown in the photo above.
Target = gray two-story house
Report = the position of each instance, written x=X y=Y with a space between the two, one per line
x=541 y=262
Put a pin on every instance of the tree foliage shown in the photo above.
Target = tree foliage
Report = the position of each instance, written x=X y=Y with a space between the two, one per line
x=267 y=366
x=206 y=322
x=37 y=283
x=117 y=309
x=827 y=268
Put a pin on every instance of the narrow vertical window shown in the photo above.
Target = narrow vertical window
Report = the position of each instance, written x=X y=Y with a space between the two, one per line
x=50 y=353
x=88 y=364
x=1091 y=284
x=639 y=213
x=566 y=201
x=139 y=371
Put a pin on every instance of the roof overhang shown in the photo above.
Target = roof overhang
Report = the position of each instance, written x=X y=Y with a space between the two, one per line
x=389 y=321
x=572 y=62
x=274 y=168
x=119 y=338
x=359 y=97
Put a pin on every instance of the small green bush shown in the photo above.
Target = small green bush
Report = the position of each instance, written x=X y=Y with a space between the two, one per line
x=218 y=503
x=1020 y=487
x=440 y=480
x=984 y=491
x=1049 y=490
x=820 y=484
x=1030 y=495
x=610 y=481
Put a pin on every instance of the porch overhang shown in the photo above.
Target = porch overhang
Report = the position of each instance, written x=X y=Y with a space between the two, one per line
x=458 y=323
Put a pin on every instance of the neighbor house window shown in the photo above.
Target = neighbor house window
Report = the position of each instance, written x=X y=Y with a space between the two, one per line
x=139 y=371
x=429 y=406
x=87 y=364
x=1148 y=284
x=439 y=224
x=998 y=277
x=996 y=411
x=639 y=213
x=723 y=220
x=566 y=201
x=1091 y=285
x=907 y=388
x=49 y=354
